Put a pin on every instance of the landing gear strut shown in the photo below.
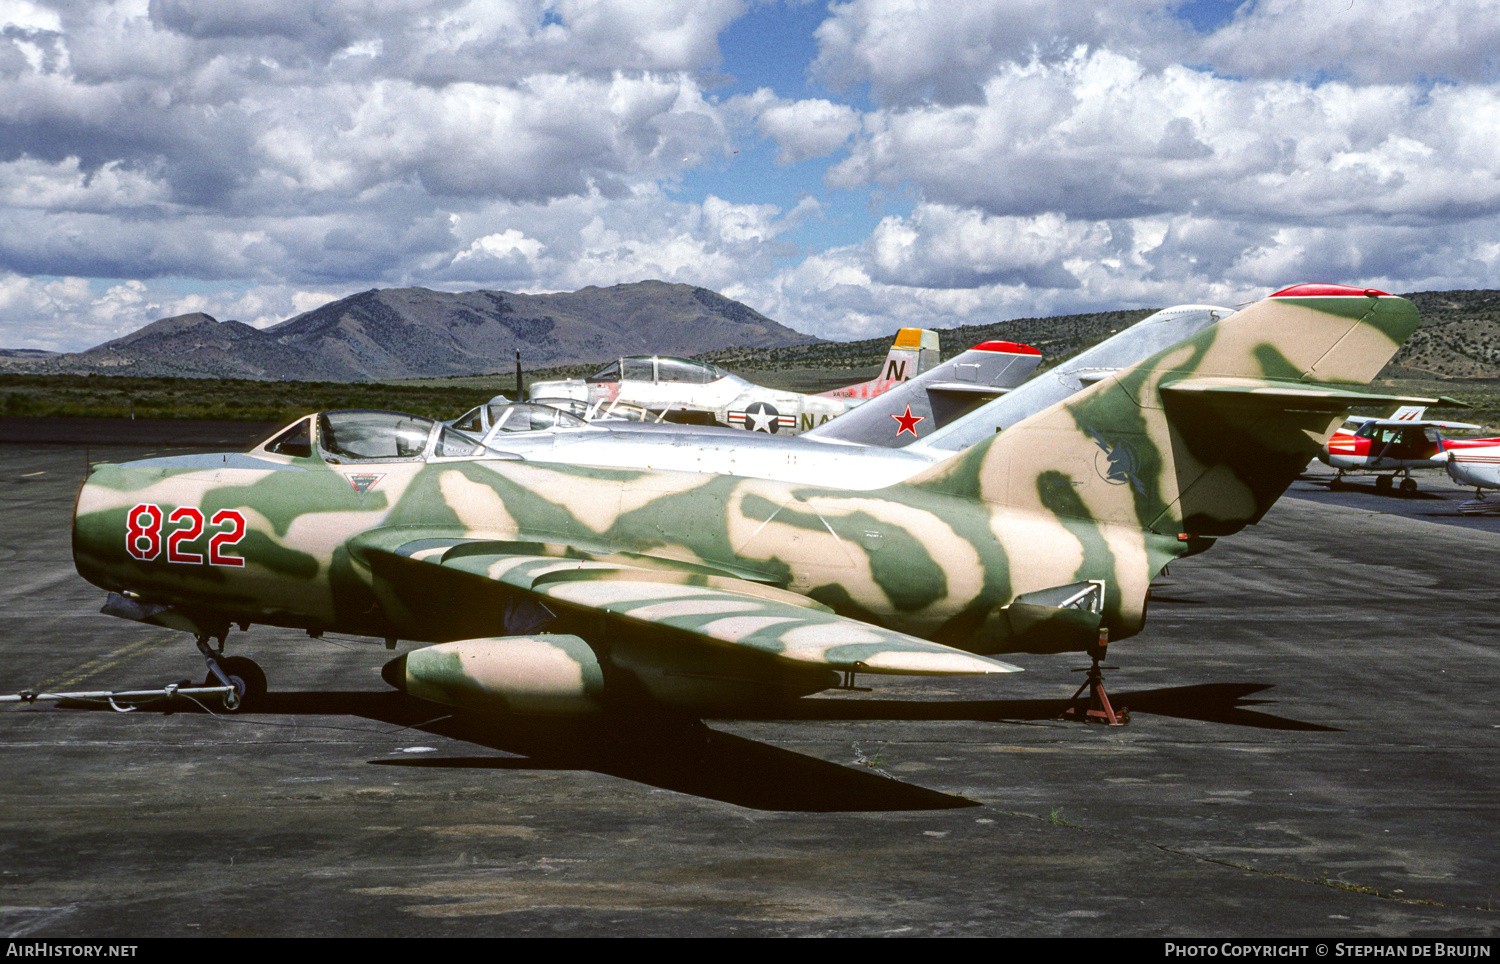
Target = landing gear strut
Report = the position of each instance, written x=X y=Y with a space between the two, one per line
x=1097 y=708
x=244 y=676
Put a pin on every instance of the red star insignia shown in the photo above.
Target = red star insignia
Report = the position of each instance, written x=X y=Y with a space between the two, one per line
x=908 y=422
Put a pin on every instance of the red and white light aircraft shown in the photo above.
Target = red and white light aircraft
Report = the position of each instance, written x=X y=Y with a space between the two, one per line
x=1398 y=444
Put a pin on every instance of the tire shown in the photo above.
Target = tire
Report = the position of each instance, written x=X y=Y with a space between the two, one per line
x=248 y=678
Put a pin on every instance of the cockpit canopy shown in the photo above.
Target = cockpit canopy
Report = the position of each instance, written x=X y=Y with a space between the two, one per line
x=502 y=415
x=363 y=436
x=658 y=368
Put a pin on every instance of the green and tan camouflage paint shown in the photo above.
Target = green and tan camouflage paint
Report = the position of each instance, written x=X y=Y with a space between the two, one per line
x=759 y=584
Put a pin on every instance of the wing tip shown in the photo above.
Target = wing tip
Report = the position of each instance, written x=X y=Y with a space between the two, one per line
x=915 y=663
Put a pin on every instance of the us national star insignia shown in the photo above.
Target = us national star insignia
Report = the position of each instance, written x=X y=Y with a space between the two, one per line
x=764 y=416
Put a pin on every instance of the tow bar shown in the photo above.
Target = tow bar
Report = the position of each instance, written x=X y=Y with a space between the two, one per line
x=228 y=694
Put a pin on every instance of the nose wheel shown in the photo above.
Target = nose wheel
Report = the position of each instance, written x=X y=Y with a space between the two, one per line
x=244 y=676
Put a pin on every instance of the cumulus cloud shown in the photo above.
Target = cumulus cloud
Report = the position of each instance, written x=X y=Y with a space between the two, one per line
x=660 y=35
x=508 y=244
x=1386 y=42
x=598 y=241
x=57 y=314
x=255 y=158
x=909 y=52
x=947 y=266
x=325 y=97
x=235 y=140
x=945 y=247
x=1099 y=136
x=806 y=129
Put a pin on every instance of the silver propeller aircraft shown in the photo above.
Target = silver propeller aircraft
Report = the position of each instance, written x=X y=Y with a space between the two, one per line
x=699 y=393
x=566 y=589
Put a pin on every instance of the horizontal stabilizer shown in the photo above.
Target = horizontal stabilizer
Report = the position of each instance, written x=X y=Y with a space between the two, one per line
x=1426 y=423
x=967 y=388
x=1288 y=394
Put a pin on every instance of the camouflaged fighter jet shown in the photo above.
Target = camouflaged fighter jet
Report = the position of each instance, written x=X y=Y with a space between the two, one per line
x=546 y=588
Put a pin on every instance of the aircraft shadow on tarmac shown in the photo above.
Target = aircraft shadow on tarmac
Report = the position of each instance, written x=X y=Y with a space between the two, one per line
x=678 y=754
x=1223 y=703
x=1361 y=487
x=686 y=756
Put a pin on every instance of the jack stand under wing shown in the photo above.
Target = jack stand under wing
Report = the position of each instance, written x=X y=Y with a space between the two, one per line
x=1098 y=708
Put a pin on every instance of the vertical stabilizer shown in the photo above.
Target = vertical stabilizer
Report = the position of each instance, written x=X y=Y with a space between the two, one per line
x=914 y=351
x=1141 y=340
x=1201 y=437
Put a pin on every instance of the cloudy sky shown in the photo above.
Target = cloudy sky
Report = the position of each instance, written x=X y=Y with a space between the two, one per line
x=845 y=168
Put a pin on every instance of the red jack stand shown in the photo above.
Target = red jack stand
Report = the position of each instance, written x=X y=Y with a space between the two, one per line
x=1098 y=709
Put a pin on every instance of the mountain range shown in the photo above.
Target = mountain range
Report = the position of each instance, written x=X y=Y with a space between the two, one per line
x=399 y=333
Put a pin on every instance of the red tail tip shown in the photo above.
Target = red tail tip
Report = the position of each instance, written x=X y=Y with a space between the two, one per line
x=1329 y=291
x=1006 y=346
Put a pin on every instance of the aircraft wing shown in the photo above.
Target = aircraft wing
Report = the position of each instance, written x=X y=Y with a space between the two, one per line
x=522 y=588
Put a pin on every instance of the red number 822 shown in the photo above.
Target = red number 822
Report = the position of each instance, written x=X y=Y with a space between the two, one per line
x=144 y=526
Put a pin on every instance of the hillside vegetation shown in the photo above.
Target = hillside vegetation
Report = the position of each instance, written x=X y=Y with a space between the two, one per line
x=1456 y=353
x=1459 y=337
x=228 y=400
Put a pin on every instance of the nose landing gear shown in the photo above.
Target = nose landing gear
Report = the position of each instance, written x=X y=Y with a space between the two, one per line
x=244 y=677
